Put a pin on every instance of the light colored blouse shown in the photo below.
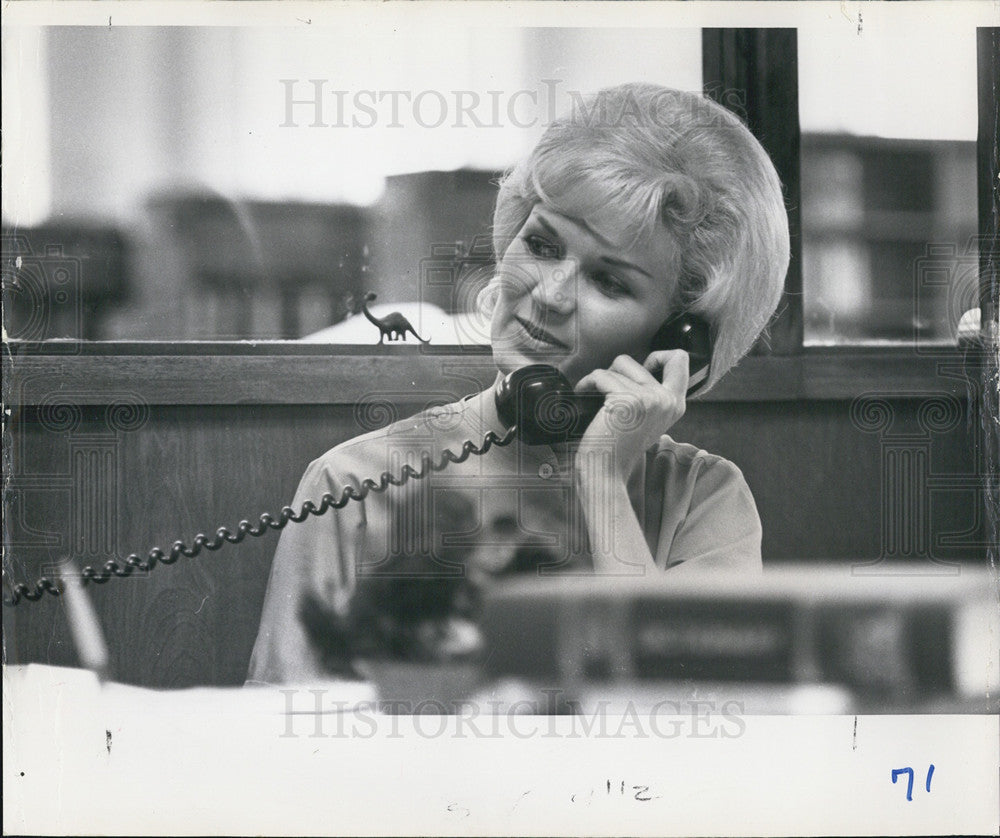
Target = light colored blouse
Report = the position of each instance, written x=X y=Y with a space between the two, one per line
x=695 y=508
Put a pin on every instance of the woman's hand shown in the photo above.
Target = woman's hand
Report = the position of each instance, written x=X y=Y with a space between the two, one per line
x=642 y=402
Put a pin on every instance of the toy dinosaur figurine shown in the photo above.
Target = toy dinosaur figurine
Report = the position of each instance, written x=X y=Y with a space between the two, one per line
x=393 y=326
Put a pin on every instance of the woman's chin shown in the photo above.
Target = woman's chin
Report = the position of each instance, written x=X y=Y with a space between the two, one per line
x=508 y=359
x=506 y=362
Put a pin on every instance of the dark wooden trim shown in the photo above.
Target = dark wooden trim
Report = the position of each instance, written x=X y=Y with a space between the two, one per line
x=988 y=158
x=245 y=348
x=754 y=73
x=345 y=375
x=988 y=163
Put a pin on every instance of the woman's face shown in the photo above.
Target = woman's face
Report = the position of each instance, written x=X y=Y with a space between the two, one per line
x=572 y=298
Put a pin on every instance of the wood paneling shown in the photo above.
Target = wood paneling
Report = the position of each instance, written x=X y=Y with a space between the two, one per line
x=186 y=470
x=818 y=477
x=182 y=469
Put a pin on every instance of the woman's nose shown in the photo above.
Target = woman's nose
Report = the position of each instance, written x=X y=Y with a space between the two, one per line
x=555 y=286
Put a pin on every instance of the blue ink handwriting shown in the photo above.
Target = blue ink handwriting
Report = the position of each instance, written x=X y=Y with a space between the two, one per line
x=909 y=779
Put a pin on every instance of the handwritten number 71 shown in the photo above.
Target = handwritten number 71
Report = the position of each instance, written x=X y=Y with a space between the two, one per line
x=909 y=779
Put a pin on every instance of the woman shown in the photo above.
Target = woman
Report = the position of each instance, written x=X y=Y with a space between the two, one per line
x=645 y=203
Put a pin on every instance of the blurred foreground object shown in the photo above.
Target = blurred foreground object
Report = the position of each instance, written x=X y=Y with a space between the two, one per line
x=83 y=622
x=894 y=642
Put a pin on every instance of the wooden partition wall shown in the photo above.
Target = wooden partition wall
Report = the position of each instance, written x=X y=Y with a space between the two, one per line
x=112 y=450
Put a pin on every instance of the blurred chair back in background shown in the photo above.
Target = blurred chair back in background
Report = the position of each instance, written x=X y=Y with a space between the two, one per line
x=62 y=279
x=293 y=264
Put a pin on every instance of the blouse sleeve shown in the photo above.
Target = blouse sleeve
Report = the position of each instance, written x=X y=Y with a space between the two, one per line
x=314 y=559
x=709 y=518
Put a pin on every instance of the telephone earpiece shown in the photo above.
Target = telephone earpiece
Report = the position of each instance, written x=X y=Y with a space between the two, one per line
x=540 y=402
x=692 y=334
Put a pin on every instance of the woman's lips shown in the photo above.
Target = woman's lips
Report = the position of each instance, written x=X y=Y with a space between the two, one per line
x=539 y=334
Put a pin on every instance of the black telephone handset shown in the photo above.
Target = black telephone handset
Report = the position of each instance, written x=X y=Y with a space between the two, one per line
x=536 y=403
x=540 y=403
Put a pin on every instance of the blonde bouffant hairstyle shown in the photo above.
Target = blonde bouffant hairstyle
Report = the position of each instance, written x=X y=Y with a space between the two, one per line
x=640 y=160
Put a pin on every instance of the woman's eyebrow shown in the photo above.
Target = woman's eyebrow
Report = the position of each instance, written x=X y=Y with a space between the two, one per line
x=609 y=260
x=551 y=230
x=621 y=263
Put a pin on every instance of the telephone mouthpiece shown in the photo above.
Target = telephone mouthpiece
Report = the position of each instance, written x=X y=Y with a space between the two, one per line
x=540 y=402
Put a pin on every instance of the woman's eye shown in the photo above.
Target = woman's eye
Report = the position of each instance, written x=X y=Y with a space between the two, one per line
x=542 y=247
x=609 y=284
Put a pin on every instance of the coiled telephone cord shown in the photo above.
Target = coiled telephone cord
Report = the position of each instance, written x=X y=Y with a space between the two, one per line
x=265 y=524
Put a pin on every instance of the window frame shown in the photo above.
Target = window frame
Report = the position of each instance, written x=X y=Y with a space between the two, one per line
x=752 y=71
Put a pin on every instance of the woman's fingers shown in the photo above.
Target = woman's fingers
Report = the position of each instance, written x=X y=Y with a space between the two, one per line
x=637 y=408
x=650 y=396
x=603 y=381
x=628 y=370
x=631 y=369
x=626 y=374
x=671 y=365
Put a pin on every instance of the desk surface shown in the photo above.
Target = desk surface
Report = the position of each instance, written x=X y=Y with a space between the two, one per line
x=84 y=758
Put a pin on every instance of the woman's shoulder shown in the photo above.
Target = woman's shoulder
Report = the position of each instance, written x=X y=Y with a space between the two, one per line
x=368 y=453
x=709 y=518
x=681 y=460
x=684 y=453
